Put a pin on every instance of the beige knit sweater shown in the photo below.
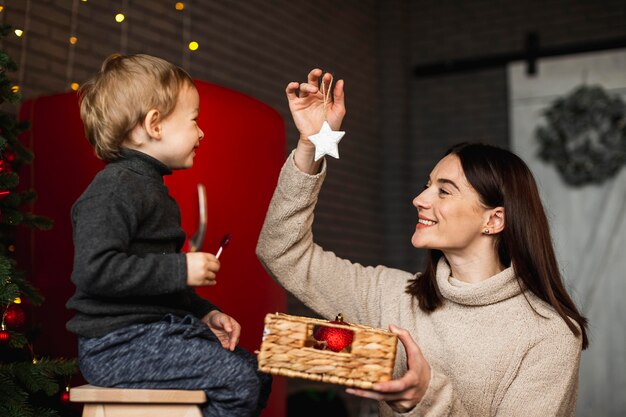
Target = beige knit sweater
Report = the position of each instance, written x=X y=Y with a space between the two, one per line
x=490 y=352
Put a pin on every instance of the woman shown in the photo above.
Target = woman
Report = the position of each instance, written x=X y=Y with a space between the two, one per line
x=487 y=329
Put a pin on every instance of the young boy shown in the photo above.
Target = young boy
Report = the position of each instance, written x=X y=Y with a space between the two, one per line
x=139 y=321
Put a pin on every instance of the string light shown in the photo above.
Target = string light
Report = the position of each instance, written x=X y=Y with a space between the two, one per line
x=32 y=353
x=119 y=18
x=123 y=26
x=186 y=21
x=24 y=52
x=69 y=69
x=17 y=300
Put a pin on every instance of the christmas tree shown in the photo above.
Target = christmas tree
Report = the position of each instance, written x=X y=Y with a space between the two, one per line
x=29 y=385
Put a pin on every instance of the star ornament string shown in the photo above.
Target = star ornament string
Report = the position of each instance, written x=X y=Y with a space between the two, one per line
x=326 y=140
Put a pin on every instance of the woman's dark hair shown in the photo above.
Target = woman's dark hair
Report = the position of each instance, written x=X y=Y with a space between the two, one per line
x=502 y=179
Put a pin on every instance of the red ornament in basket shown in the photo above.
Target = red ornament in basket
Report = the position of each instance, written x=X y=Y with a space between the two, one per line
x=333 y=338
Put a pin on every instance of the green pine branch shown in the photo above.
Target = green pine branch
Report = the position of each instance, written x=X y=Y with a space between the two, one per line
x=18 y=340
x=14 y=284
x=8 y=180
x=42 y=375
x=27 y=388
x=8 y=293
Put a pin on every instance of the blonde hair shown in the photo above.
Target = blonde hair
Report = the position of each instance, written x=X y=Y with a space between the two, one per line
x=121 y=94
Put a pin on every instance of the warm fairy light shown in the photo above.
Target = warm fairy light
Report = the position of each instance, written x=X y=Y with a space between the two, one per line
x=11 y=248
x=19 y=32
x=193 y=45
x=73 y=39
x=17 y=300
x=119 y=18
x=180 y=5
x=1 y=8
x=74 y=86
x=15 y=89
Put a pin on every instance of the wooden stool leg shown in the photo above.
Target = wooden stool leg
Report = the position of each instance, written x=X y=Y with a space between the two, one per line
x=141 y=410
x=93 y=410
x=124 y=402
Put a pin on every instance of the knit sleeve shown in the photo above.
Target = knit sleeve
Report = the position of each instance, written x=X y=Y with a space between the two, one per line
x=546 y=383
x=320 y=279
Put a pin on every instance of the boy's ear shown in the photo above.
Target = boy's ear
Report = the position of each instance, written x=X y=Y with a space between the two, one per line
x=152 y=124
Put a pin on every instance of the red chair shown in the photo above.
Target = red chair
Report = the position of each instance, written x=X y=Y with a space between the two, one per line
x=238 y=163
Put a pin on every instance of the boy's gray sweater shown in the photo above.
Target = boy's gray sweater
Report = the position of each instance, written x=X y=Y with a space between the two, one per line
x=127 y=234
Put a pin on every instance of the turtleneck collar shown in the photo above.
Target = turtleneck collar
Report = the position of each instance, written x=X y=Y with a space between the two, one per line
x=496 y=288
x=142 y=163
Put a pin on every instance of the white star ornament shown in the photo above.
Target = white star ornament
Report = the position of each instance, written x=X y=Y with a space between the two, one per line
x=326 y=142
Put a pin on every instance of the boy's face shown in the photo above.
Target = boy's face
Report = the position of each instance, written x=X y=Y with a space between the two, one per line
x=181 y=134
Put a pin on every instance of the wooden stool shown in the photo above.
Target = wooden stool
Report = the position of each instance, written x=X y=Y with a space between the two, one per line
x=131 y=402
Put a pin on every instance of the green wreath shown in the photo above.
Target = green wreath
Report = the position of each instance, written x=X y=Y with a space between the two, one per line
x=585 y=136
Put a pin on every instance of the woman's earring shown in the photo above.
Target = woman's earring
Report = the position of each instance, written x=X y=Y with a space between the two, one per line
x=486 y=231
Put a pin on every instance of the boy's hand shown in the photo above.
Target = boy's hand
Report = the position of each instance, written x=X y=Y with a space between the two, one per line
x=201 y=269
x=306 y=103
x=224 y=327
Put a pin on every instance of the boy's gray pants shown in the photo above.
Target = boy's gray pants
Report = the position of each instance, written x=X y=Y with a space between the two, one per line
x=177 y=353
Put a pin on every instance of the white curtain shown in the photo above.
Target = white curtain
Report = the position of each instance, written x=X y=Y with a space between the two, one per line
x=588 y=223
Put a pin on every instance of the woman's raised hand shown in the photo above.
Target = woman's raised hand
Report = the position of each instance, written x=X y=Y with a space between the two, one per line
x=306 y=103
x=405 y=393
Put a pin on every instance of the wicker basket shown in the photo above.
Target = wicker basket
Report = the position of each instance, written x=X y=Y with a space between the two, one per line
x=287 y=350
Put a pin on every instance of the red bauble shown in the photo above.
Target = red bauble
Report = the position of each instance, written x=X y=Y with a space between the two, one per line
x=14 y=316
x=65 y=397
x=5 y=336
x=9 y=155
x=333 y=338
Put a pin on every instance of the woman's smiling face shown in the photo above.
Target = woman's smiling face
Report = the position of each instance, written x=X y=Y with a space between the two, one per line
x=450 y=215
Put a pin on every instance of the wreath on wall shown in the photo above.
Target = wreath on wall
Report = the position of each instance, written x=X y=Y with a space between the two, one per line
x=585 y=135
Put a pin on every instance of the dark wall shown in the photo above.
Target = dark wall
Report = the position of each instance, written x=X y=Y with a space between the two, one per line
x=430 y=113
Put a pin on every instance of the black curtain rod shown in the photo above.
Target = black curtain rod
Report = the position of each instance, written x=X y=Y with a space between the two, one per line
x=530 y=54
